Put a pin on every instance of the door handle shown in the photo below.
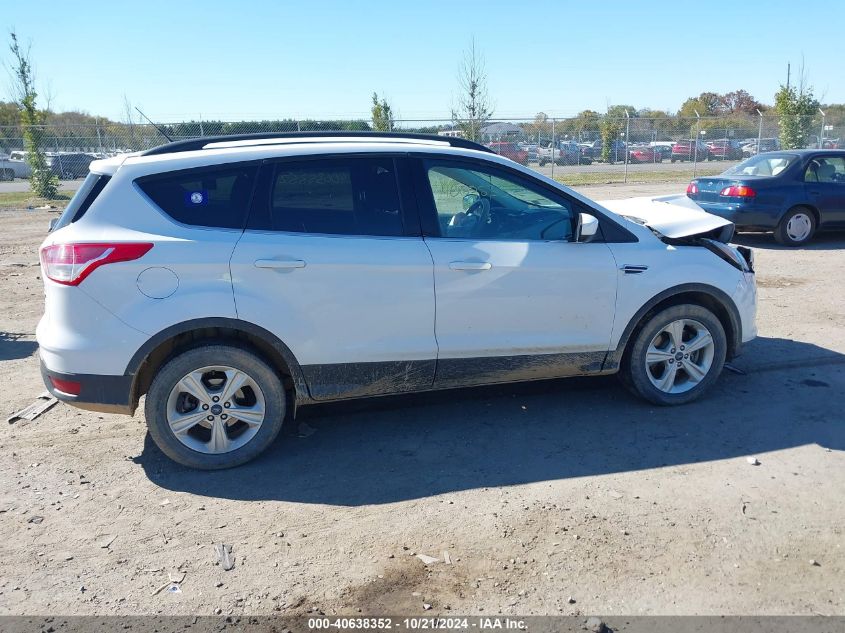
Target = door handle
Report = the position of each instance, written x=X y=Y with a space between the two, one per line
x=279 y=264
x=470 y=265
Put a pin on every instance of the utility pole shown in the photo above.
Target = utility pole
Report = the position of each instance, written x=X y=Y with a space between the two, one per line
x=821 y=132
x=788 y=69
x=759 y=131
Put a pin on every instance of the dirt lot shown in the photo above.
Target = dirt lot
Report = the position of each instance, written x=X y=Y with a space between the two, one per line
x=563 y=497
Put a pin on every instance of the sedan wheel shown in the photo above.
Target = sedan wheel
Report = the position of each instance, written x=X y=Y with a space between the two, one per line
x=796 y=227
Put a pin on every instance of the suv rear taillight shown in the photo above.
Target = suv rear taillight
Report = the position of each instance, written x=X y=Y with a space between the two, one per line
x=738 y=191
x=69 y=264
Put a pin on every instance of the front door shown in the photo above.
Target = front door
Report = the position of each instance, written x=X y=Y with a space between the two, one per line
x=517 y=298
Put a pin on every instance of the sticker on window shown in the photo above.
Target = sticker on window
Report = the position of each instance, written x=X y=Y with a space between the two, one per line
x=196 y=198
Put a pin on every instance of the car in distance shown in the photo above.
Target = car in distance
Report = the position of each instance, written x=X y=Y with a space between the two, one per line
x=564 y=153
x=510 y=150
x=690 y=150
x=69 y=166
x=11 y=168
x=725 y=149
x=644 y=154
x=792 y=194
x=236 y=279
x=765 y=145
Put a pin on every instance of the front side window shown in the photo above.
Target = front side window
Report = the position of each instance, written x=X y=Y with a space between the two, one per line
x=215 y=197
x=487 y=203
x=344 y=196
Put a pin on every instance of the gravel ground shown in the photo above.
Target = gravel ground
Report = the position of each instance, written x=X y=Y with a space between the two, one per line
x=557 y=497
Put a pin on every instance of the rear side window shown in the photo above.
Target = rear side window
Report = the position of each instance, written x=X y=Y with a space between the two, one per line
x=337 y=196
x=215 y=197
x=82 y=199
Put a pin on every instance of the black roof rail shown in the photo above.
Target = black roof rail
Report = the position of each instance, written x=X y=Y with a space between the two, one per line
x=200 y=142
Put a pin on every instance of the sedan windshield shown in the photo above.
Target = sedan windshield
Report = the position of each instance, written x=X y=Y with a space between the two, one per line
x=762 y=165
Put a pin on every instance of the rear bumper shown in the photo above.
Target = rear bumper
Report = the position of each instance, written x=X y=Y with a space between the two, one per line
x=107 y=394
x=742 y=215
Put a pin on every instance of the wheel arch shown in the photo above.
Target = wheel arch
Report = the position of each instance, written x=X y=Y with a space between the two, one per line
x=182 y=336
x=817 y=216
x=710 y=297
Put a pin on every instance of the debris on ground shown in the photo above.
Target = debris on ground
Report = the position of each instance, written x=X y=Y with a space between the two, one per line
x=595 y=625
x=428 y=560
x=426 y=606
x=446 y=558
x=753 y=461
x=106 y=540
x=44 y=402
x=734 y=369
x=815 y=563
x=571 y=600
x=224 y=556
x=35 y=519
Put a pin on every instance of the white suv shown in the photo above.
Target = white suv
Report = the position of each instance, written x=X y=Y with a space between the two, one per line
x=234 y=279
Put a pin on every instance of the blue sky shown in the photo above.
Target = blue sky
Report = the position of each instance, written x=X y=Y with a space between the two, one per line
x=320 y=58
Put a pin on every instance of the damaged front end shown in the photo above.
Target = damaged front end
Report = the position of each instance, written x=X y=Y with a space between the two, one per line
x=677 y=220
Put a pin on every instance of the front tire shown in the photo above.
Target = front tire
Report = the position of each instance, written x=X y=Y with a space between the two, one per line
x=796 y=228
x=215 y=406
x=676 y=356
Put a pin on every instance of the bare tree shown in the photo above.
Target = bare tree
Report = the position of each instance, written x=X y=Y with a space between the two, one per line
x=42 y=182
x=129 y=120
x=474 y=107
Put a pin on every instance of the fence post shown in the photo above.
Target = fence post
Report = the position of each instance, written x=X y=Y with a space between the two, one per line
x=694 y=143
x=553 y=149
x=759 y=132
x=99 y=138
x=821 y=132
x=627 y=141
x=202 y=130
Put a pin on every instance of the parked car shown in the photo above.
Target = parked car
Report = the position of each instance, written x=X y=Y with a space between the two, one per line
x=766 y=145
x=690 y=150
x=644 y=154
x=532 y=149
x=793 y=194
x=664 y=148
x=566 y=153
x=69 y=166
x=617 y=151
x=208 y=275
x=11 y=168
x=725 y=149
x=510 y=150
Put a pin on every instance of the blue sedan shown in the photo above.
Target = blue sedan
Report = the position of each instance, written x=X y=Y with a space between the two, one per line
x=791 y=193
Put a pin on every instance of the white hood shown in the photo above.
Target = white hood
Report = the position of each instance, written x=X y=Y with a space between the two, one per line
x=673 y=216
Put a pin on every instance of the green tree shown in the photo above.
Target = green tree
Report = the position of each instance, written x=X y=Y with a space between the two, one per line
x=610 y=129
x=796 y=108
x=382 y=115
x=474 y=108
x=43 y=182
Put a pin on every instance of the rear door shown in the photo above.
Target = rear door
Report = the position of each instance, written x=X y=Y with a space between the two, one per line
x=516 y=297
x=824 y=181
x=333 y=264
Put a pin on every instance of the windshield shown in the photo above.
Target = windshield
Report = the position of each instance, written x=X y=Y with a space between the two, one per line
x=762 y=165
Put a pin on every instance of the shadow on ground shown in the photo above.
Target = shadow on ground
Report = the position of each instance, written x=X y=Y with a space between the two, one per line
x=12 y=347
x=393 y=449
x=824 y=241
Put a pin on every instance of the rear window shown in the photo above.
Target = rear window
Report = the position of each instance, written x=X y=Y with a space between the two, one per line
x=82 y=199
x=338 y=196
x=762 y=165
x=215 y=197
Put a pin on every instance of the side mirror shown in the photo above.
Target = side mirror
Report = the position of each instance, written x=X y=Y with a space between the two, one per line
x=469 y=200
x=53 y=223
x=588 y=226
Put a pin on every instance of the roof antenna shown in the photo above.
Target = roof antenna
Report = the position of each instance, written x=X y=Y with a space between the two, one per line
x=163 y=133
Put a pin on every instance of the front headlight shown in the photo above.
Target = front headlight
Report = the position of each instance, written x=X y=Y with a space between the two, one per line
x=729 y=254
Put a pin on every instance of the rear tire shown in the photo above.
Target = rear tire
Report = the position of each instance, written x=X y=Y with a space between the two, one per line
x=7 y=174
x=185 y=407
x=796 y=228
x=651 y=368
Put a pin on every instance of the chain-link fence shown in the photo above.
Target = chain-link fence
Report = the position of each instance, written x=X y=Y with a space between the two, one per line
x=578 y=150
